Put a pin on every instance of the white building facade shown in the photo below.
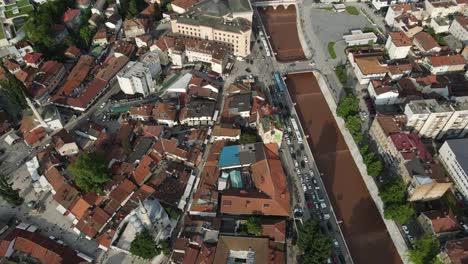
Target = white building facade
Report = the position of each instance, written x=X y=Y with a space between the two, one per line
x=454 y=156
x=136 y=78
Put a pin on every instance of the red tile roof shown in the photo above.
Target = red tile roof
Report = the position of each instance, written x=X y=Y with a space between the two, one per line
x=409 y=145
x=42 y=248
x=185 y=3
x=70 y=14
x=143 y=171
x=80 y=208
x=448 y=60
x=32 y=58
x=442 y=222
x=400 y=39
x=118 y=196
x=426 y=41
x=55 y=178
x=273 y=196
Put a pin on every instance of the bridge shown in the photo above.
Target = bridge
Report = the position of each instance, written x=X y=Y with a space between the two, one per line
x=273 y=3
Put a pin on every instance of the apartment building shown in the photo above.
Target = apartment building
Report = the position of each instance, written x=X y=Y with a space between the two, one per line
x=430 y=119
x=136 y=78
x=427 y=118
x=444 y=64
x=459 y=28
x=226 y=22
x=441 y=8
x=398 y=45
x=454 y=155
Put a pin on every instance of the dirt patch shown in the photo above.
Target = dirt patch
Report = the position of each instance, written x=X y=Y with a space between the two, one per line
x=282 y=29
x=363 y=227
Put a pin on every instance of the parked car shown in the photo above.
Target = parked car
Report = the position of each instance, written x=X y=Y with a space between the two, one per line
x=405 y=229
x=323 y=205
x=310 y=205
x=306 y=160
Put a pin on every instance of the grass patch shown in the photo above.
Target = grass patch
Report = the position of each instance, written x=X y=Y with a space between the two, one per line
x=22 y=11
x=352 y=10
x=328 y=8
x=331 y=50
x=340 y=72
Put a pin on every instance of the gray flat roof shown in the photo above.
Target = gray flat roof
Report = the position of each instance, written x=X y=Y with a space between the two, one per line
x=460 y=149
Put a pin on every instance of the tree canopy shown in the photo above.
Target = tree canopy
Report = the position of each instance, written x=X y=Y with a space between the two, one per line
x=425 y=251
x=144 y=246
x=248 y=138
x=254 y=227
x=394 y=197
x=8 y=193
x=90 y=172
x=14 y=90
x=348 y=106
x=315 y=245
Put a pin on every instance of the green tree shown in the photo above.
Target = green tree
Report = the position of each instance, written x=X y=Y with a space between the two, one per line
x=132 y=8
x=363 y=149
x=348 y=106
x=425 y=251
x=14 y=90
x=8 y=193
x=144 y=246
x=248 y=138
x=85 y=35
x=353 y=124
x=393 y=192
x=375 y=168
x=90 y=172
x=160 y=79
x=400 y=213
x=315 y=245
x=254 y=227
x=396 y=206
x=165 y=247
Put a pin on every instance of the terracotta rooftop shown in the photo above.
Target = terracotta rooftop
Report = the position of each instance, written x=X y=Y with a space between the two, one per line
x=143 y=170
x=448 y=60
x=391 y=124
x=401 y=7
x=42 y=248
x=274 y=229
x=32 y=58
x=442 y=222
x=165 y=111
x=55 y=178
x=66 y=196
x=265 y=251
x=370 y=65
x=70 y=14
x=426 y=41
x=118 y=196
x=272 y=194
x=184 y=3
x=457 y=250
x=141 y=110
x=80 y=208
x=400 y=39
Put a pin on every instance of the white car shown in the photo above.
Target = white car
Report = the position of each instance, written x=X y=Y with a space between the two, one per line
x=405 y=229
x=323 y=205
x=102 y=105
x=326 y=216
x=311 y=172
x=306 y=159
x=298 y=171
x=335 y=242
x=296 y=164
x=288 y=141
x=304 y=187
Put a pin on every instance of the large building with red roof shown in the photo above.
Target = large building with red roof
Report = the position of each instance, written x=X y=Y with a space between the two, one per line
x=259 y=188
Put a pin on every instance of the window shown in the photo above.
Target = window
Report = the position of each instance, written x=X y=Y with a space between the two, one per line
x=227 y=202
x=266 y=205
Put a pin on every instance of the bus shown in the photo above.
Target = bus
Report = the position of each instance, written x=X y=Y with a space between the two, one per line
x=296 y=130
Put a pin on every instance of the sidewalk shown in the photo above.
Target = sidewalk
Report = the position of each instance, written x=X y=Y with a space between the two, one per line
x=370 y=184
